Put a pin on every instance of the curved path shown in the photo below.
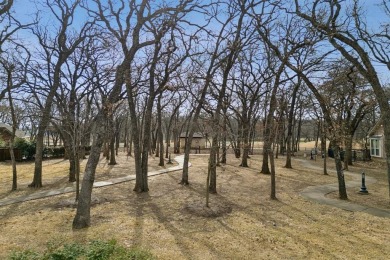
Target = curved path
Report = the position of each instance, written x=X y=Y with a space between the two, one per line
x=318 y=193
x=311 y=193
x=43 y=194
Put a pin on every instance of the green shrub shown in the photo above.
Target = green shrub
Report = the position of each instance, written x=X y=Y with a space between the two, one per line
x=58 y=152
x=47 y=152
x=27 y=148
x=24 y=255
x=95 y=250
x=100 y=250
x=67 y=252
x=2 y=143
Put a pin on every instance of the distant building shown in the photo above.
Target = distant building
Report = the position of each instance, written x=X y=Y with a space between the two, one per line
x=376 y=140
x=6 y=133
x=198 y=141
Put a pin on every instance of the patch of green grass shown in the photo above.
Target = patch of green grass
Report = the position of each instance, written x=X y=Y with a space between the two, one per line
x=94 y=250
x=24 y=255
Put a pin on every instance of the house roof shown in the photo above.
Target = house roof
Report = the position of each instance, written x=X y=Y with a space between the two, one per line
x=8 y=128
x=196 y=135
x=378 y=124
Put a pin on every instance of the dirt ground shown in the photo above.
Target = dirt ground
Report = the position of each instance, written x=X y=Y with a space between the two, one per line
x=173 y=223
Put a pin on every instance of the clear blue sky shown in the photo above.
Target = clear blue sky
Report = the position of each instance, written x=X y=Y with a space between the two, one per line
x=375 y=15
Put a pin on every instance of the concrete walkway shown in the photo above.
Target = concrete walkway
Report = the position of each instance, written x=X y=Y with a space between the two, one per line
x=318 y=193
x=97 y=184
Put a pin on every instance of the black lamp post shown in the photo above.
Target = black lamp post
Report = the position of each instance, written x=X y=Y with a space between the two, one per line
x=363 y=189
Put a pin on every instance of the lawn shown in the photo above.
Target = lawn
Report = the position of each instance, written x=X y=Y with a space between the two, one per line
x=172 y=222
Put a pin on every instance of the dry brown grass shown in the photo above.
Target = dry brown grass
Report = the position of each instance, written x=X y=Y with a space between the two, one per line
x=171 y=220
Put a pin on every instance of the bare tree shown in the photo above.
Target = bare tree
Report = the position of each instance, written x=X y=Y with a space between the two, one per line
x=201 y=79
x=350 y=99
x=241 y=35
x=15 y=67
x=265 y=30
x=347 y=32
x=174 y=102
x=248 y=90
x=8 y=43
x=289 y=145
x=54 y=53
x=119 y=23
x=14 y=59
x=297 y=53
x=71 y=98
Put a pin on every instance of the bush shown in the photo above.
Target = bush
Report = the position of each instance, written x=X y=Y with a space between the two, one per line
x=67 y=252
x=54 y=152
x=101 y=250
x=58 y=152
x=95 y=250
x=24 y=255
x=27 y=148
x=2 y=143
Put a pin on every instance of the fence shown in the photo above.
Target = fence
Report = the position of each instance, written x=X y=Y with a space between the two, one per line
x=5 y=155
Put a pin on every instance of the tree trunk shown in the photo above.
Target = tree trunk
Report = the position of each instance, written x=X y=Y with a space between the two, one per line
x=187 y=148
x=141 y=153
x=386 y=126
x=290 y=125
x=273 y=174
x=348 y=151
x=154 y=145
x=317 y=135
x=117 y=136
x=112 y=150
x=323 y=147
x=13 y=161
x=77 y=172
x=213 y=164
x=160 y=132
x=139 y=180
x=298 y=138
x=14 y=126
x=130 y=147
x=37 y=180
x=167 y=141
x=340 y=173
x=245 y=137
x=72 y=168
x=224 y=136
x=83 y=214
x=264 y=166
x=208 y=183
x=105 y=149
x=126 y=133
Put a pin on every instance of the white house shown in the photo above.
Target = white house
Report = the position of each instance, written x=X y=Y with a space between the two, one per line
x=376 y=139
